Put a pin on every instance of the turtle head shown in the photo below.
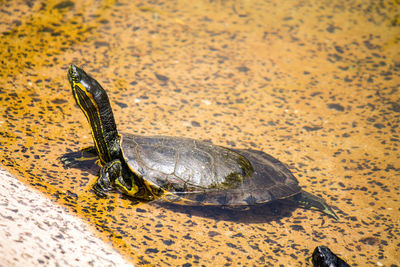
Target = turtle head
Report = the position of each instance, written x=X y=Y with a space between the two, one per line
x=87 y=91
x=94 y=102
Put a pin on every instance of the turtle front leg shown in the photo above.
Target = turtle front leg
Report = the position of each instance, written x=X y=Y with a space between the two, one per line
x=110 y=172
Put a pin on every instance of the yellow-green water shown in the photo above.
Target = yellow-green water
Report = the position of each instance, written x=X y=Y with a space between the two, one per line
x=313 y=83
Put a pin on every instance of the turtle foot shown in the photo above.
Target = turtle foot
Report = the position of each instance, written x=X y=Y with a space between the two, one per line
x=309 y=201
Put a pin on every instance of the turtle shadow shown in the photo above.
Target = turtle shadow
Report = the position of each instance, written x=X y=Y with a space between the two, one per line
x=269 y=212
x=85 y=160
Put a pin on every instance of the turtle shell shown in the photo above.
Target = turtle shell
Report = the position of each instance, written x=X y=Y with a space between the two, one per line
x=206 y=173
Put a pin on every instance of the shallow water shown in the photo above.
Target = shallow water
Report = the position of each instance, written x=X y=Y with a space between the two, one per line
x=315 y=84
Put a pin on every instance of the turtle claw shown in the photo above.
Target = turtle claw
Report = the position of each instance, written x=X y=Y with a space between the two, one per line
x=67 y=161
x=99 y=191
x=83 y=158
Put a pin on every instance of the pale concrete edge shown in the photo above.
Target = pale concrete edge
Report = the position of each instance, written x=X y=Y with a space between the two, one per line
x=35 y=231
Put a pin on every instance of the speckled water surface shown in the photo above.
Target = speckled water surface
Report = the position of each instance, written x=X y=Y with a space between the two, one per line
x=313 y=83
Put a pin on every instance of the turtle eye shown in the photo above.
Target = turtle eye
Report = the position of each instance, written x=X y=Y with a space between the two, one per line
x=73 y=74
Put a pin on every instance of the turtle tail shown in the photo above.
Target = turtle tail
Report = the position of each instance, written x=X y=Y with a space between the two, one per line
x=309 y=201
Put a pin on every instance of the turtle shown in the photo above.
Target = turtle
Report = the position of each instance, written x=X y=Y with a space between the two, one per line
x=181 y=170
x=324 y=257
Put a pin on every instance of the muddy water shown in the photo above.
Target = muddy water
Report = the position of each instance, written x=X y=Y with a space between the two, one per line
x=314 y=84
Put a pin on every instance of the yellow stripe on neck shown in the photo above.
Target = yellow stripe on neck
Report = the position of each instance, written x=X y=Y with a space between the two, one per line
x=96 y=125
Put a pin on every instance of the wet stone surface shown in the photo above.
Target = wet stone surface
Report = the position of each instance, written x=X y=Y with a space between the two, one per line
x=315 y=84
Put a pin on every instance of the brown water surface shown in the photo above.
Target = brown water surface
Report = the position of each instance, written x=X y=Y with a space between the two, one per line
x=313 y=83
